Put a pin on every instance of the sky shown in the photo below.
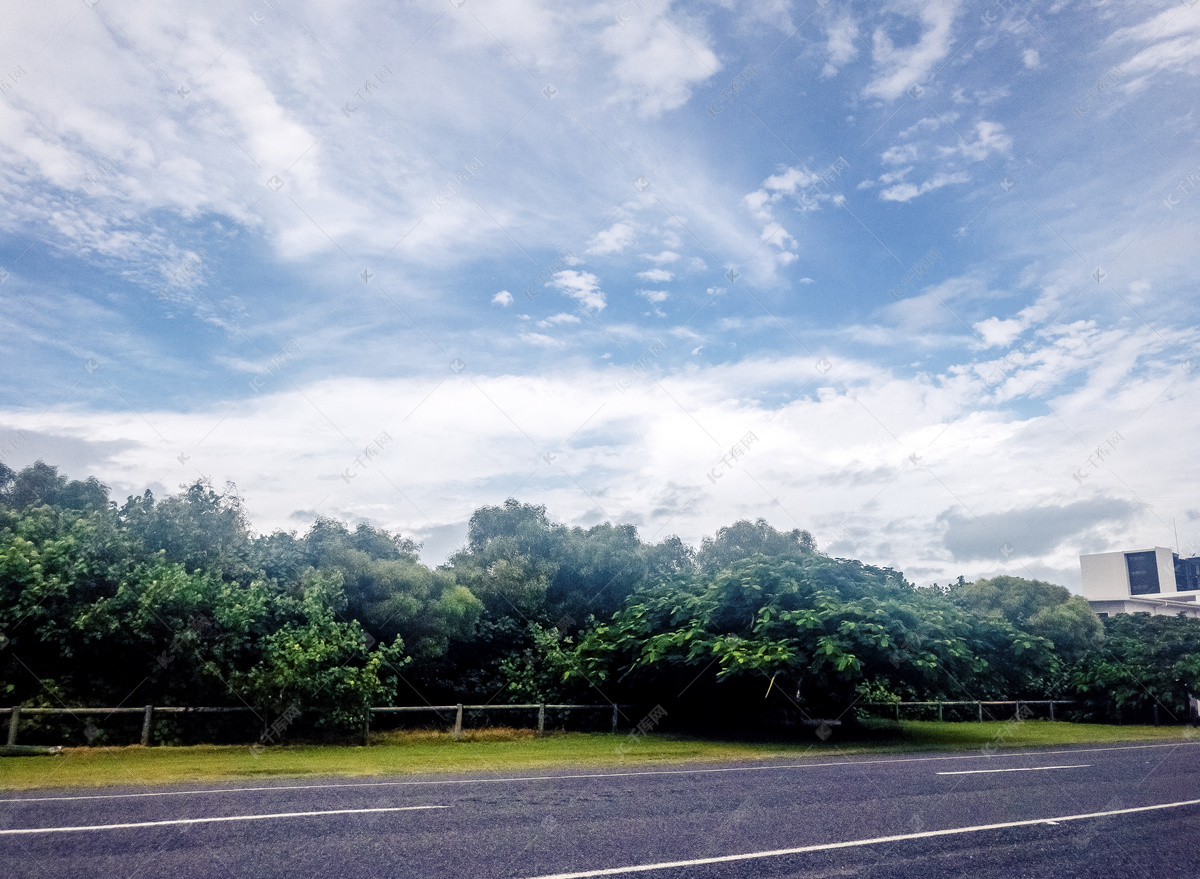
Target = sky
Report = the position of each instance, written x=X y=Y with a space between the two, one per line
x=918 y=277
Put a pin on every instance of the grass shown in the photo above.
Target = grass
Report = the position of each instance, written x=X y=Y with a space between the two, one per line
x=484 y=752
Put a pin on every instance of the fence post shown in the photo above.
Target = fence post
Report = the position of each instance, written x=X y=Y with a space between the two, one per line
x=1052 y=709
x=939 y=712
x=542 y=718
x=14 y=717
x=1017 y=715
x=614 y=723
x=980 y=705
x=146 y=719
x=1156 y=714
x=366 y=729
x=458 y=721
x=897 y=712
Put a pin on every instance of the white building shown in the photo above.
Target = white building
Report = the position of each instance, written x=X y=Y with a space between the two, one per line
x=1154 y=581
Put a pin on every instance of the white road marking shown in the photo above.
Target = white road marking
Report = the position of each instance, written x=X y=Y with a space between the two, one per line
x=828 y=846
x=505 y=780
x=75 y=829
x=1018 y=769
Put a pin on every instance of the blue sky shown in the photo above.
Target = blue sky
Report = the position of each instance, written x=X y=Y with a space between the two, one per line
x=934 y=260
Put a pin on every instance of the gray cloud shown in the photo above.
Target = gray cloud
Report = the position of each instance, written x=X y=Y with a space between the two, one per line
x=438 y=542
x=74 y=457
x=1028 y=531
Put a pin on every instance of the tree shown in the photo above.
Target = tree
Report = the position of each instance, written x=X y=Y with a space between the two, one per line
x=744 y=539
x=321 y=664
x=668 y=559
x=388 y=591
x=520 y=563
x=199 y=528
x=595 y=570
x=40 y=483
x=1044 y=609
x=815 y=626
x=1141 y=661
x=541 y=672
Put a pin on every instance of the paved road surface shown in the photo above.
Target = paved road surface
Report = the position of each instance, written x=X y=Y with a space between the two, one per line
x=777 y=820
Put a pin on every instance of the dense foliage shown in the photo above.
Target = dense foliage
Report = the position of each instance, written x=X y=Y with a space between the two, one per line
x=176 y=601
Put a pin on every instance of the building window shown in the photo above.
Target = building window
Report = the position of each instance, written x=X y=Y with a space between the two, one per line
x=1187 y=574
x=1102 y=616
x=1143 y=572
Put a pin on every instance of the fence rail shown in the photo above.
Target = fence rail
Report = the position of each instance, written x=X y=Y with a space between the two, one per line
x=16 y=712
x=1015 y=703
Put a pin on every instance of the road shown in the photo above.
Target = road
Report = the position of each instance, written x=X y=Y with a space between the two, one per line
x=1111 y=811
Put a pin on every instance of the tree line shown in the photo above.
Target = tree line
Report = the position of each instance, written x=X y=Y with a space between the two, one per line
x=177 y=601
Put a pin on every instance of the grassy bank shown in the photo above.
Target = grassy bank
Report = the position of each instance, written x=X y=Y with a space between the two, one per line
x=505 y=751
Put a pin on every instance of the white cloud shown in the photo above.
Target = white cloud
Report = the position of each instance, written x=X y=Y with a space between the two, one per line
x=894 y=176
x=665 y=257
x=1169 y=41
x=841 y=45
x=502 y=298
x=540 y=339
x=898 y=69
x=659 y=276
x=1031 y=59
x=790 y=182
x=556 y=319
x=999 y=332
x=900 y=154
x=823 y=461
x=795 y=183
x=277 y=105
x=614 y=239
x=1138 y=290
x=904 y=192
x=659 y=55
x=929 y=123
x=991 y=94
x=990 y=137
x=654 y=295
x=583 y=287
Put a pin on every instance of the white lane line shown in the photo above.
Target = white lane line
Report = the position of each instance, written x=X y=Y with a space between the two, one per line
x=974 y=755
x=75 y=829
x=1017 y=769
x=828 y=846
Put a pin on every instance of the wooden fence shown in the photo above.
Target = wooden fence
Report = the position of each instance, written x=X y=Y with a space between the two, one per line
x=149 y=711
x=978 y=705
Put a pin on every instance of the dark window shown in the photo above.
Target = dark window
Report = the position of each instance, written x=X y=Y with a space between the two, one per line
x=1187 y=574
x=1143 y=572
x=1102 y=616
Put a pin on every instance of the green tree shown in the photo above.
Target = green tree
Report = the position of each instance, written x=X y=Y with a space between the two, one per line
x=389 y=591
x=818 y=627
x=744 y=539
x=200 y=528
x=1043 y=609
x=1140 y=661
x=319 y=663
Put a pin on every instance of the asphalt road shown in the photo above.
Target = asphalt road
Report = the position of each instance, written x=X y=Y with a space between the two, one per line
x=921 y=815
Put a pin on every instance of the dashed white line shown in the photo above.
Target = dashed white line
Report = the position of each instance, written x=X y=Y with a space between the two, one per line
x=1015 y=769
x=829 y=846
x=81 y=827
